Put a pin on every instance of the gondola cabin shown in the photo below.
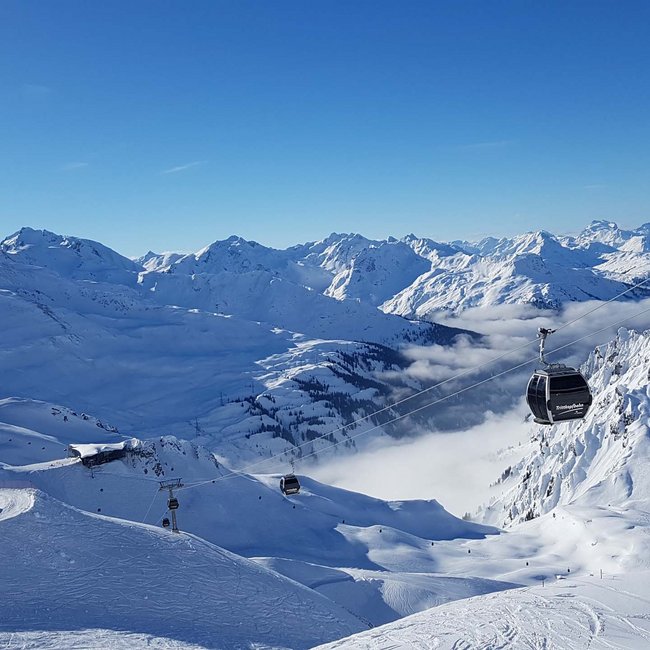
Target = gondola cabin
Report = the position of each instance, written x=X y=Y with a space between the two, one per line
x=558 y=395
x=289 y=484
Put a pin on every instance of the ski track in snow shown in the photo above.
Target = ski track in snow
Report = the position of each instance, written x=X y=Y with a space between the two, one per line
x=91 y=639
x=66 y=570
x=576 y=614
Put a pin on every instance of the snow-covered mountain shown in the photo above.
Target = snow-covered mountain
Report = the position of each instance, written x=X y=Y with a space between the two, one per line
x=535 y=268
x=253 y=349
x=415 y=277
x=217 y=346
x=71 y=257
x=252 y=352
x=377 y=273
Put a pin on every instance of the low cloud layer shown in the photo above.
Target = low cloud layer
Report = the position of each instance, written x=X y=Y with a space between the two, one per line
x=456 y=468
x=507 y=327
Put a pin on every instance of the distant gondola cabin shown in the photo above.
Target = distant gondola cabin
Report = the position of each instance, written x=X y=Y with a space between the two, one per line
x=289 y=484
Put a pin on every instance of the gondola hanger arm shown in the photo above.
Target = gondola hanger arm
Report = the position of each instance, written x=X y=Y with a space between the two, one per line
x=542 y=333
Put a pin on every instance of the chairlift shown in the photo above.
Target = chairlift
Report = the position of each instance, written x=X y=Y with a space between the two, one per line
x=289 y=484
x=165 y=522
x=172 y=503
x=557 y=393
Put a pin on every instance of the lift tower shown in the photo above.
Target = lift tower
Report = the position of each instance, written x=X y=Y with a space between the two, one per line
x=172 y=501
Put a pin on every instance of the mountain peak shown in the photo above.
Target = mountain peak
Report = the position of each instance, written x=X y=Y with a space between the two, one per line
x=601 y=224
x=72 y=256
x=27 y=236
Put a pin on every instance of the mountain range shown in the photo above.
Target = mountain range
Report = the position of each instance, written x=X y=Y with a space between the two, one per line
x=250 y=349
x=242 y=358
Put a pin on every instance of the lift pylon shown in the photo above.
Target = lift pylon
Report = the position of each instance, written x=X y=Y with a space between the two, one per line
x=172 y=501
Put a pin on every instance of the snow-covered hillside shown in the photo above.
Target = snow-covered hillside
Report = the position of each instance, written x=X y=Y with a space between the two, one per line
x=66 y=570
x=571 y=614
x=240 y=358
x=264 y=355
x=339 y=545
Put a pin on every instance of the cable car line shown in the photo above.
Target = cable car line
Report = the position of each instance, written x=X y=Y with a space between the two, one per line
x=150 y=506
x=233 y=473
x=444 y=381
x=452 y=378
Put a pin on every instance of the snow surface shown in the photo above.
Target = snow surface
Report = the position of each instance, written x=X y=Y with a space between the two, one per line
x=65 y=570
x=199 y=354
x=570 y=614
x=373 y=558
x=250 y=352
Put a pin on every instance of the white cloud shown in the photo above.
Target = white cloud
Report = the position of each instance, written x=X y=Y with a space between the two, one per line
x=182 y=168
x=506 y=327
x=456 y=468
x=72 y=166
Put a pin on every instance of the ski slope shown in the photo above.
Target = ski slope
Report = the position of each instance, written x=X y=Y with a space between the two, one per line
x=374 y=559
x=66 y=570
x=567 y=614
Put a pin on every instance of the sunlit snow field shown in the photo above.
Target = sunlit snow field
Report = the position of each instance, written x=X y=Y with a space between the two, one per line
x=226 y=369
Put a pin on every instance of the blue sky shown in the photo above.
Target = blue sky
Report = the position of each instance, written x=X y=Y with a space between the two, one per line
x=168 y=125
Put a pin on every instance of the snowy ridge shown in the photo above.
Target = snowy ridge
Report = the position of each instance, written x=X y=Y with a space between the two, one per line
x=71 y=256
x=535 y=268
x=378 y=272
x=412 y=276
